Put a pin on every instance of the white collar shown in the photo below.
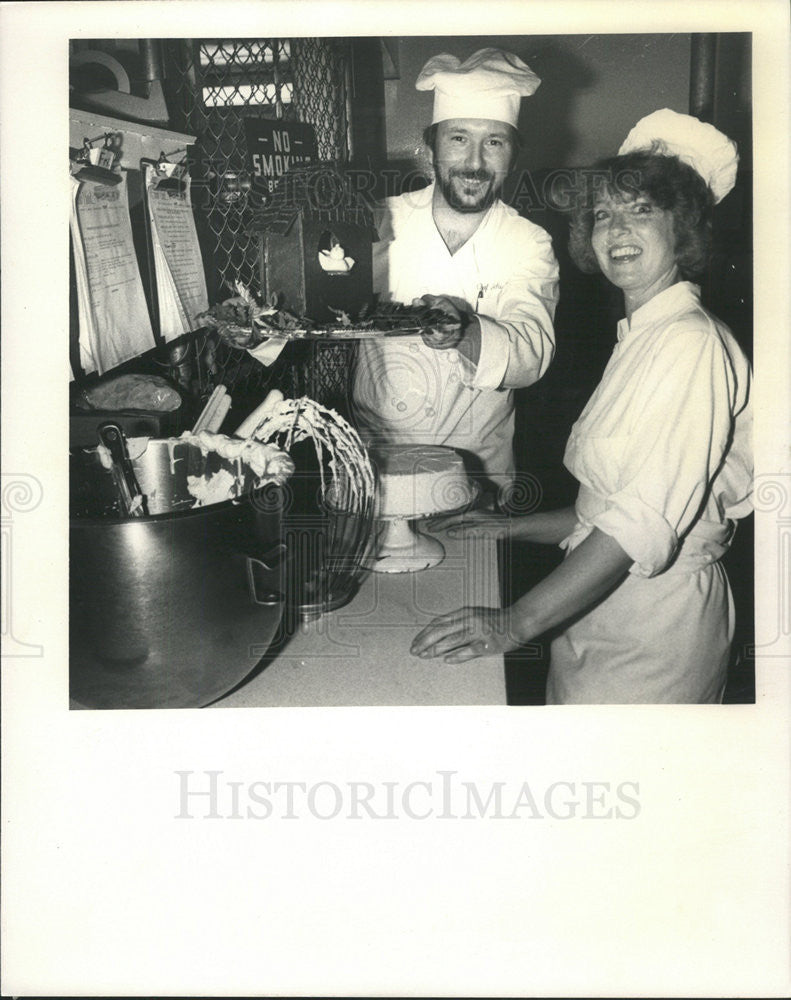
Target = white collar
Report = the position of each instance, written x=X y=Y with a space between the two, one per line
x=676 y=298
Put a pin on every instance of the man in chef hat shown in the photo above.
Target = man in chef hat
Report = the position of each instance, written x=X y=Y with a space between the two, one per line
x=457 y=247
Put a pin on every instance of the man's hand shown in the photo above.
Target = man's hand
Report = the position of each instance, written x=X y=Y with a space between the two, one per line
x=446 y=335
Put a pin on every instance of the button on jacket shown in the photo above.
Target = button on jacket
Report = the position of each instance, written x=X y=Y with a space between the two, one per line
x=507 y=273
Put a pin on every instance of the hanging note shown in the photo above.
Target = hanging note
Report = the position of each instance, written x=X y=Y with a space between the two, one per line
x=178 y=265
x=114 y=322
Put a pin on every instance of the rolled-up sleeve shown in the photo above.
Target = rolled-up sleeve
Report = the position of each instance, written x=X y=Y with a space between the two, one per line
x=517 y=333
x=664 y=467
x=643 y=534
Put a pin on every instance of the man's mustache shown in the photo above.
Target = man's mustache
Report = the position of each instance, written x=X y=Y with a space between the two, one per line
x=473 y=175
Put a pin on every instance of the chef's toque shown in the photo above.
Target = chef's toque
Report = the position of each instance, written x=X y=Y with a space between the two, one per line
x=490 y=84
x=701 y=146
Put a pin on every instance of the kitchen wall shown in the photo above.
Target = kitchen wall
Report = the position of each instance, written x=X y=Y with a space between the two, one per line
x=594 y=88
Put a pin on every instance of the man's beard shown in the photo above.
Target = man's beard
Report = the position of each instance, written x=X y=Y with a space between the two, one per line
x=488 y=195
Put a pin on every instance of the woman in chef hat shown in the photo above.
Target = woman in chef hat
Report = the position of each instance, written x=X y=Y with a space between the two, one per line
x=662 y=452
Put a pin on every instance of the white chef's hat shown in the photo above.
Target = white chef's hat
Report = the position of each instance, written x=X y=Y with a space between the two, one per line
x=701 y=146
x=490 y=84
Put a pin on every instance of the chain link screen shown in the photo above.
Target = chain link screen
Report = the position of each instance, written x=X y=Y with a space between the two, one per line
x=213 y=85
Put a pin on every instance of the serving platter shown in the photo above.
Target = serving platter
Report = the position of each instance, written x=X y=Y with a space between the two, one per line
x=341 y=333
x=243 y=324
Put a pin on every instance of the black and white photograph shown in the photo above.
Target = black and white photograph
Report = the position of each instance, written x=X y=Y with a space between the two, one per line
x=395 y=429
x=382 y=432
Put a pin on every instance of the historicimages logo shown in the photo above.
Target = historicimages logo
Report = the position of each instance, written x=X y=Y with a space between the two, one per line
x=442 y=795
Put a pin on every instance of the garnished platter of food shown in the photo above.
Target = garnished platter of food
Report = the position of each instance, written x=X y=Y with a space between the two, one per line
x=243 y=323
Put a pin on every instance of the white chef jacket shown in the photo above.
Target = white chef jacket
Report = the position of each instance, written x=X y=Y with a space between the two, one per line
x=663 y=455
x=407 y=392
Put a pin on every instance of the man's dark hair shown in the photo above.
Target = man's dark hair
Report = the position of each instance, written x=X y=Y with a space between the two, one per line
x=667 y=183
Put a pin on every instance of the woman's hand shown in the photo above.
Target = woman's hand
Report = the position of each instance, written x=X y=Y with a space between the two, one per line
x=468 y=633
x=546 y=528
x=543 y=528
x=475 y=523
x=585 y=576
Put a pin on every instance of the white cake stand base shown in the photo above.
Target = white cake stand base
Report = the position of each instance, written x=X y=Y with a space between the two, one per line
x=405 y=549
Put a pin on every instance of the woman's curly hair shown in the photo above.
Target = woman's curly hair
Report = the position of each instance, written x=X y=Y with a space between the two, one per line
x=669 y=184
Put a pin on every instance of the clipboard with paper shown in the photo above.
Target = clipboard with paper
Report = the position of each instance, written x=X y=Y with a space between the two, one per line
x=179 y=281
x=113 y=320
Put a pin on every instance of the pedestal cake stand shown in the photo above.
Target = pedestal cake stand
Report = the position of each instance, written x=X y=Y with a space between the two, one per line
x=404 y=548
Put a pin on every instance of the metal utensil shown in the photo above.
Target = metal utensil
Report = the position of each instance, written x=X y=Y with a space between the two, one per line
x=131 y=498
x=175 y=609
